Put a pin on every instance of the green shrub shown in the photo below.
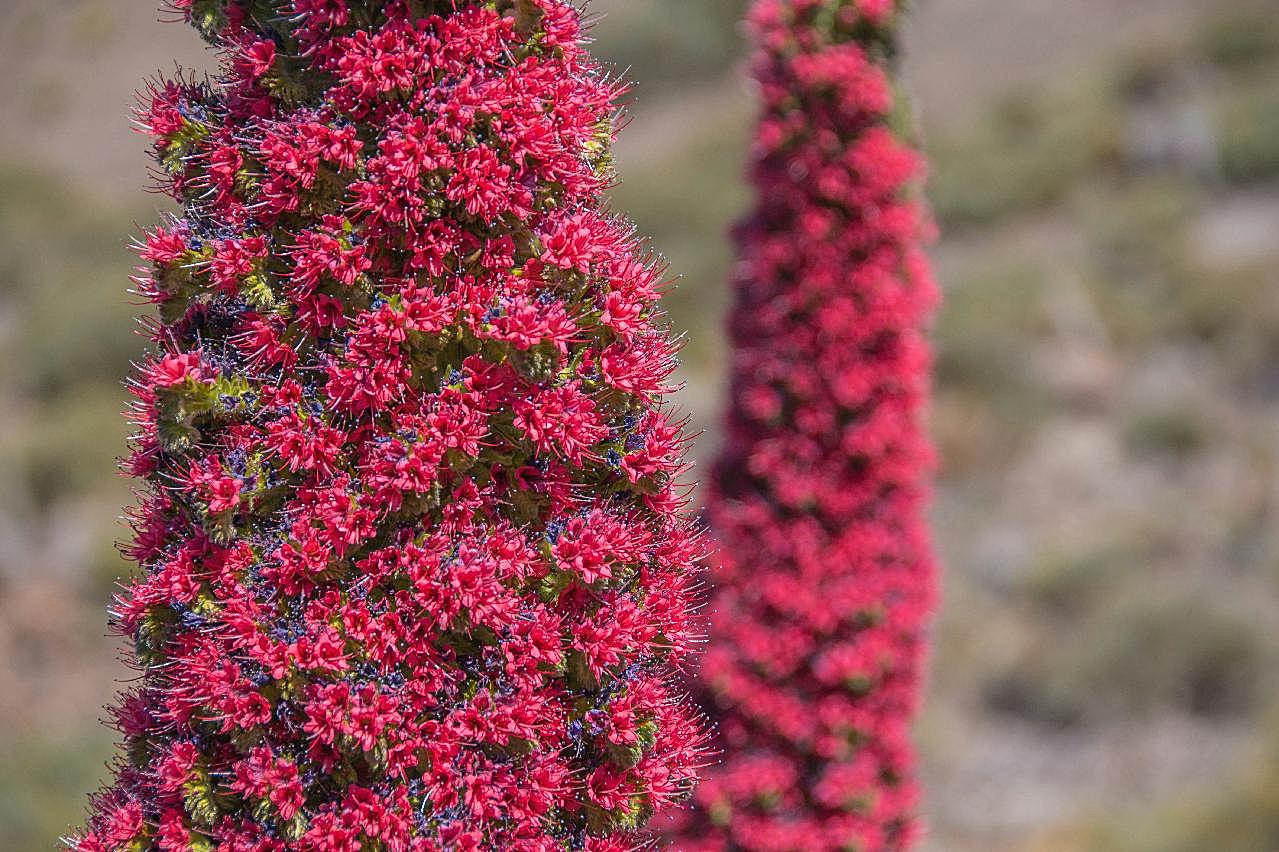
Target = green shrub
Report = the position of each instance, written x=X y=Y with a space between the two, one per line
x=994 y=315
x=1240 y=40
x=1239 y=816
x=1174 y=432
x=1250 y=133
x=1028 y=155
x=667 y=44
x=65 y=266
x=42 y=787
x=1135 y=657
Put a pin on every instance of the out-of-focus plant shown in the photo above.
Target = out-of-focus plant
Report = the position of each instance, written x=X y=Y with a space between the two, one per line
x=826 y=578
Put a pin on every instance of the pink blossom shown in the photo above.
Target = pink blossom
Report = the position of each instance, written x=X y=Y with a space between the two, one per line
x=415 y=572
x=825 y=580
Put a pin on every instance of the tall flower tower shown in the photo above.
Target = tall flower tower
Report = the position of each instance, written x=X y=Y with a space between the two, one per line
x=414 y=566
x=826 y=580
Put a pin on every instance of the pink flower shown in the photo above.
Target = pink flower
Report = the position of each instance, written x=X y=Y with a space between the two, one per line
x=825 y=579
x=415 y=572
x=561 y=421
x=876 y=11
x=173 y=370
x=258 y=58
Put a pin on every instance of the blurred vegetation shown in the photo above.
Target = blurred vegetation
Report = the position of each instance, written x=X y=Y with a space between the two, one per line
x=1134 y=657
x=1242 y=817
x=993 y=314
x=1111 y=308
x=1242 y=46
x=1029 y=153
x=68 y=340
x=664 y=44
x=42 y=791
x=65 y=343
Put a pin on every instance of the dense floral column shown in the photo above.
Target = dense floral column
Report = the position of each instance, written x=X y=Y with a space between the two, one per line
x=414 y=566
x=826 y=579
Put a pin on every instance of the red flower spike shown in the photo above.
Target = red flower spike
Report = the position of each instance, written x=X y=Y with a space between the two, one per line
x=416 y=573
x=825 y=581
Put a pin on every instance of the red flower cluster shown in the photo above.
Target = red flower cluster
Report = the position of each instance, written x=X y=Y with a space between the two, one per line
x=826 y=578
x=415 y=563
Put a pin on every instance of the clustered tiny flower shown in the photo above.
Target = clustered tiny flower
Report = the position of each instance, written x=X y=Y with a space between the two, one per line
x=825 y=578
x=416 y=572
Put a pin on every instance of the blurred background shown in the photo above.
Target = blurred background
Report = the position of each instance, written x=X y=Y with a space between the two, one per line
x=1106 y=175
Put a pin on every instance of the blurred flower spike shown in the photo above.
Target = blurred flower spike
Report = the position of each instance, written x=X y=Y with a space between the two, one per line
x=825 y=580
